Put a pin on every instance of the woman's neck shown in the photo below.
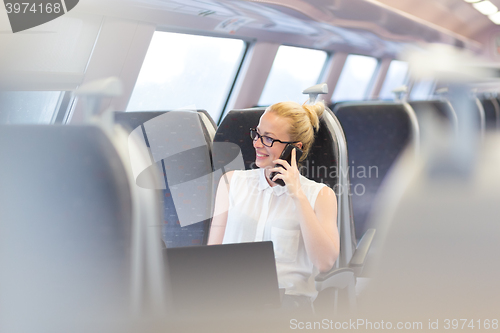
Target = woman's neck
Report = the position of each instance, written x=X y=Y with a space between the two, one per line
x=267 y=173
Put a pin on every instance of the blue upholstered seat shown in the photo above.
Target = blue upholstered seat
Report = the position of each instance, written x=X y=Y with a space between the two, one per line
x=180 y=146
x=376 y=133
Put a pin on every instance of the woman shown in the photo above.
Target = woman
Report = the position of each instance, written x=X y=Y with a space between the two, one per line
x=300 y=217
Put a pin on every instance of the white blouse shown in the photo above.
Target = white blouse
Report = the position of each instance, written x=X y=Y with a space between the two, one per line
x=259 y=212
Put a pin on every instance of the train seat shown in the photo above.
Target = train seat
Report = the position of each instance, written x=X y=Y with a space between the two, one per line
x=497 y=98
x=179 y=143
x=464 y=114
x=441 y=109
x=68 y=232
x=137 y=118
x=376 y=133
x=433 y=206
x=491 y=113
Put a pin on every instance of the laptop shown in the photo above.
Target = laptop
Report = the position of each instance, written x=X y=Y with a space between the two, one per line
x=224 y=278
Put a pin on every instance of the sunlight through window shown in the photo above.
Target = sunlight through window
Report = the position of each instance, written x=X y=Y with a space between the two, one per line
x=294 y=69
x=187 y=72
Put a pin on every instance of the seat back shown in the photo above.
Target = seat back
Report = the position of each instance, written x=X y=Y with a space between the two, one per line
x=65 y=228
x=491 y=113
x=376 y=133
x=472 y=113
x=422 y=266
x=442 y=109
x=132 y=119
x=235 y=128
x=179 y=145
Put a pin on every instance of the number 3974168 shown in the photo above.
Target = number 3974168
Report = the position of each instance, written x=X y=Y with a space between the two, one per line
x=28 y=8
x=470 y=324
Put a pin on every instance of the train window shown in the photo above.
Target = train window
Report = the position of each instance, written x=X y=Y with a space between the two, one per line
x=396 y=77
x=187 y=71
x=293 y=70
x=29 y=107
x=422 y=89
x=355 y=79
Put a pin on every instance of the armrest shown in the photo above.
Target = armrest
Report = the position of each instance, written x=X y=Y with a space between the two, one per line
x=336 y=278
x=358 y=259
x=341 y=277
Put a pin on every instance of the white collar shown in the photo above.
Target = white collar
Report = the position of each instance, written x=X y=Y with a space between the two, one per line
x=264 y=185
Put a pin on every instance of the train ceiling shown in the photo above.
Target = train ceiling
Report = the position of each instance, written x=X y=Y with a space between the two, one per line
x=363 y=24
x=453 y=15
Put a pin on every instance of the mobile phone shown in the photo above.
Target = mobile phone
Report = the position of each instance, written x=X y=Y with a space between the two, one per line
x=286 y=155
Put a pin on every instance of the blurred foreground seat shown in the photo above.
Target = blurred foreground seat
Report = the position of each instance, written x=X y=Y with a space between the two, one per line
x=78 y=247
x=441 y=109
x=439 y=238
x=491 y=113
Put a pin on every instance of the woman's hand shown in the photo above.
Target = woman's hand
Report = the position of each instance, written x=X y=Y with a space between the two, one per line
x=289 y=174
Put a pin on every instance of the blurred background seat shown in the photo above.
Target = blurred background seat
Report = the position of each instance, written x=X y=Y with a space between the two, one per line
x=441 y=109
x=491 y=113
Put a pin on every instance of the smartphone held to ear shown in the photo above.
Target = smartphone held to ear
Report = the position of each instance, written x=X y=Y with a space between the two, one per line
x=286 y=155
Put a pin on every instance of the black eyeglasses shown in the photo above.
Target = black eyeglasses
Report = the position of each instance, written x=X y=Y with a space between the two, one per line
x=266 y=141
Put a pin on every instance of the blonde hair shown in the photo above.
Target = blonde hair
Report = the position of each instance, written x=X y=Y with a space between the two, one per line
x=303 y=119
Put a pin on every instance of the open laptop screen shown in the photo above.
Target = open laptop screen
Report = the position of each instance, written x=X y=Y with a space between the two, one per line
x=227 y=278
